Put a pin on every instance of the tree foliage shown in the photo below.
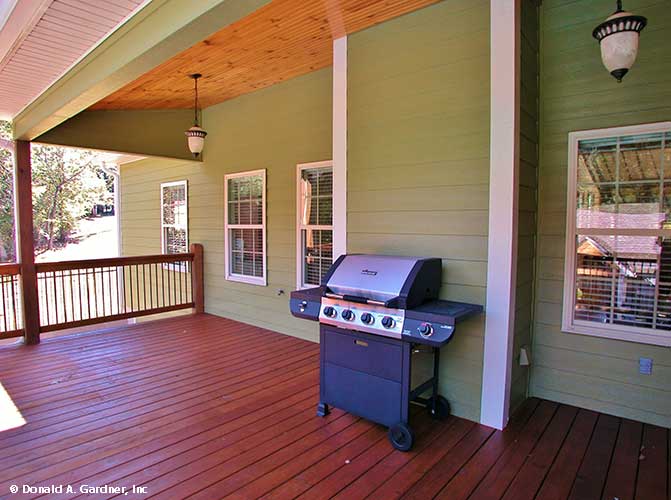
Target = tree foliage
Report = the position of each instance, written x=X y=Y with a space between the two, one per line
x=67 y=183
x=7 y=246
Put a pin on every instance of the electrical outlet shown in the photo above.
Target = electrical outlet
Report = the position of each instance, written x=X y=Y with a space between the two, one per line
x=645 y=366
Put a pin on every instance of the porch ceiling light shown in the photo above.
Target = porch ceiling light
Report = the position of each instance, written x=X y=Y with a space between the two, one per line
x=195 y=135
x=618 y=36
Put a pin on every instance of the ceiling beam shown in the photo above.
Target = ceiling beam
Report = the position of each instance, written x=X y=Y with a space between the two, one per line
x=158 y=32
x=158 y=133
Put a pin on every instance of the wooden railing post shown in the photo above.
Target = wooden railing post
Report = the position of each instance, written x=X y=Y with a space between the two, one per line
x=26 y=245
x=197 y=278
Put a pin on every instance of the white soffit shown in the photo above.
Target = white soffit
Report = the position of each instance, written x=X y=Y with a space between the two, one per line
x=41 y=39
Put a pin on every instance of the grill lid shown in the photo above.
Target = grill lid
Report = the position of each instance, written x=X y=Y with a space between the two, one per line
x=385 y=278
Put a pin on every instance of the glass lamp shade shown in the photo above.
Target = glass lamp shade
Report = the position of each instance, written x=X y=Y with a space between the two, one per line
x=618 y=37
x=196 y=139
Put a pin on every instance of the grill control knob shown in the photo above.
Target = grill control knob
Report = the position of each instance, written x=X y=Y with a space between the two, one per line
x=347 y=315
x=367 y=318
x=425 y=330
x=388 y=322
x=329 y=311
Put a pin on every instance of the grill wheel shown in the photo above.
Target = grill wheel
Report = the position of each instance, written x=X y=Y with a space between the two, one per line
x=401 y=437
x=442 y=408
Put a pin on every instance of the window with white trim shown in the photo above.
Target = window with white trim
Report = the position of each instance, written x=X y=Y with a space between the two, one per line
x=617 y=280
x=174 y=218
x=315 y=222
x=245 y=227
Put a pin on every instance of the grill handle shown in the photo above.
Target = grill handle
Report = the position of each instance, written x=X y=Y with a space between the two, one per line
x=354 y=298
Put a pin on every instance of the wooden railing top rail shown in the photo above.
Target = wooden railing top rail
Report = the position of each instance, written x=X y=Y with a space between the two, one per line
x=10 y=269
x=70 y=265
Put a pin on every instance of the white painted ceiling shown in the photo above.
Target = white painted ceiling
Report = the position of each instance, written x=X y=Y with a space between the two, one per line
x=41 y=39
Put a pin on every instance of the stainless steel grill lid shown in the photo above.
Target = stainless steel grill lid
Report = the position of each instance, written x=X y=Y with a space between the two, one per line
x=372 y=277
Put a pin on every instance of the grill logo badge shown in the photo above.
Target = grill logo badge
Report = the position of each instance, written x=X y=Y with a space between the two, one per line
x=368 y=272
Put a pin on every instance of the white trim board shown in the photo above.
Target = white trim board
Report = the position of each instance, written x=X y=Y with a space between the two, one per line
x=339 y=147
x=503 y=212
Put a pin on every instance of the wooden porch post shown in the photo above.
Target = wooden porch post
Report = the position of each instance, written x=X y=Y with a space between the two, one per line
x=197 y=282
x=26 y=245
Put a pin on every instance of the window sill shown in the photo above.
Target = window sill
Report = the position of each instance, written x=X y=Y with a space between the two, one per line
x=614 y=333
x=247 y=280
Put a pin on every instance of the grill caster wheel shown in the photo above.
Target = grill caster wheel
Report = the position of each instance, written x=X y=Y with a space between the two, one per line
x=401 y=437
x=442 y=408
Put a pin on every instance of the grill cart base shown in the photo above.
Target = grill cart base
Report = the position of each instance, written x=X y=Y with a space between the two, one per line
x=370 y=376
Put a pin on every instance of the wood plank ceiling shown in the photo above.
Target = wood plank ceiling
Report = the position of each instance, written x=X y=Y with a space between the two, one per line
x=61 y=32
x=282 y=40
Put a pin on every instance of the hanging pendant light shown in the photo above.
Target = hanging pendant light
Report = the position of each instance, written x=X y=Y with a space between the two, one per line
x=195 y=135
x=618 y=37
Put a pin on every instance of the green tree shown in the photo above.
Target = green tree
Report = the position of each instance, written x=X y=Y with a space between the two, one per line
x=7 y=245
x=66 y=185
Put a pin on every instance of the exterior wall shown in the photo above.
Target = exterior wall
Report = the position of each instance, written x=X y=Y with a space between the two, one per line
x=418 y=160
x=275 y=128
x=526 y=244
x=578 y=94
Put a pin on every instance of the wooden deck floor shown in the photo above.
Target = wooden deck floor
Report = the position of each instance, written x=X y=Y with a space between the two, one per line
x=204 y=407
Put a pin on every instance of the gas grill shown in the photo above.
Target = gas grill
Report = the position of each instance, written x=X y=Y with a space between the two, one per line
x=375 y=311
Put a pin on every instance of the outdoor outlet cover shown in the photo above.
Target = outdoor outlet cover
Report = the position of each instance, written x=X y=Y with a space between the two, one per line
x=645 y=366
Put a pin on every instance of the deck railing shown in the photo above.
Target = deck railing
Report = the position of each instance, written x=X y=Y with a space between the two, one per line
x=79 y=293
x=11 y=320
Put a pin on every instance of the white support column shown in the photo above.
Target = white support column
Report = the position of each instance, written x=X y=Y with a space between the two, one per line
x=503 y=211
x=339 y=147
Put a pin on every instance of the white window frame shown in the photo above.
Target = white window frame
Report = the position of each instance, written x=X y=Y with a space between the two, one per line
x=569 y=324
x=174 y=267
x=230 y=276
x=300 y=278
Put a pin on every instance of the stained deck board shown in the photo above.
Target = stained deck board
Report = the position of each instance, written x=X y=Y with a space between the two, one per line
x=205 y=407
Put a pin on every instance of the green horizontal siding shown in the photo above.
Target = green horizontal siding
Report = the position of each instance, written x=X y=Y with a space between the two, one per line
x=273 y=129
x=527 y=210
x=418 y=160
x=577 y=94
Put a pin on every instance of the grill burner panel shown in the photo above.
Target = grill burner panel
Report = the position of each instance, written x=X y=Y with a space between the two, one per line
x=376 y=318
x=373 y=310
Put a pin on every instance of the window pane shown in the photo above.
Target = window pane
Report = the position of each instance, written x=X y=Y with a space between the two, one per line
x=248 y=264
x=597 y=160
x=247 y=252
x=325 y=211
x=233 y=189
x=245 y=212
x=640 y=157
x=233 y=212
x=258 y=265
x=174 y=205
x=245 y=190
x=317 y=196
x=236 y=262
x=616 y=281
x=175 y=240
x=318 y=254
x=256 y=187
x=597 y=205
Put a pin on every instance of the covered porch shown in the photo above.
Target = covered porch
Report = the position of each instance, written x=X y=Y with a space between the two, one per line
x=431 y=128
x=206 y=407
